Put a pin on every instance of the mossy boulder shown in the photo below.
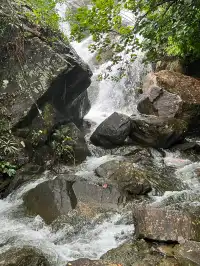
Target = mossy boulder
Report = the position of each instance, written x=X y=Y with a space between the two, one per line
x=157 y=132
x=133 y=180
x=43 y=82
x=139 y=253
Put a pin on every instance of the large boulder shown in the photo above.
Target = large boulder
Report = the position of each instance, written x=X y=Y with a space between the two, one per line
x=54 y=198
x=157 y=132
x=168 y=223
x=43 y=81
x=130 y=180
x=112 y=132
x=171 y=94
x=23 y=257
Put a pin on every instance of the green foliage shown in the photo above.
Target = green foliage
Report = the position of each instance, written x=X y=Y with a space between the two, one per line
x=158 y=27
x=7 y=168
x=8 y=146
x=42 y=12
x=63 y=144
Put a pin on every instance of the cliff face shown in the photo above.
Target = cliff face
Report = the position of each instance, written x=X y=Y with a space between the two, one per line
x=37 y=68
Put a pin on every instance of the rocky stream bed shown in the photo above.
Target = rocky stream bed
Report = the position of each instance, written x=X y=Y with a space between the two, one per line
x=106 y=173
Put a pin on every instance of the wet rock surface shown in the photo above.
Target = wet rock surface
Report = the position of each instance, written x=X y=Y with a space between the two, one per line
x=42 y=86
x=23 y=257
x=51 y=199
x=112 y=132
x=188 y=253
x=138 y=253
x=26 y=174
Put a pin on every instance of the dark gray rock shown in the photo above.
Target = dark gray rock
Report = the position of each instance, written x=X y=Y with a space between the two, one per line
x=96 y=194
x=42 y=84
x=107 y=169
x=132 y=180
x=51 y=199
x=112 y=132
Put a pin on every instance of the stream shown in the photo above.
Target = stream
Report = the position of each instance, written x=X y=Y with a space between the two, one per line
x=96 y=238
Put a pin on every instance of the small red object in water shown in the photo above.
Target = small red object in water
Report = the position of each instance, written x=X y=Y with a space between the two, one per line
x=105 y=185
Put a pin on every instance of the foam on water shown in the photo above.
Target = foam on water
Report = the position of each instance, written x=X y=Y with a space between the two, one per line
x=19 y=230
x=86 y=169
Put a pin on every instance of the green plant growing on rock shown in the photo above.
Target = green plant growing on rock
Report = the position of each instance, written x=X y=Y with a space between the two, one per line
x=7 y=168
x=63 y=145
x=8 y=146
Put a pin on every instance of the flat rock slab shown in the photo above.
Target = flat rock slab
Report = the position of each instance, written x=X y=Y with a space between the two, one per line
x=167 y=224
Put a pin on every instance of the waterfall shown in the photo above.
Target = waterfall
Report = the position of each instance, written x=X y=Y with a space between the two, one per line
x=108 y=96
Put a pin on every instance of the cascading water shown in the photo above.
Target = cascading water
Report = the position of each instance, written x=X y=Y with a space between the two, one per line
x=92 y=241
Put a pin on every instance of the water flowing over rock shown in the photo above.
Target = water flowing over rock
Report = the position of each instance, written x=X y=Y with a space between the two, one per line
x=157 y=132
x=26 y=174
x=112 y=132
x=171 y=94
